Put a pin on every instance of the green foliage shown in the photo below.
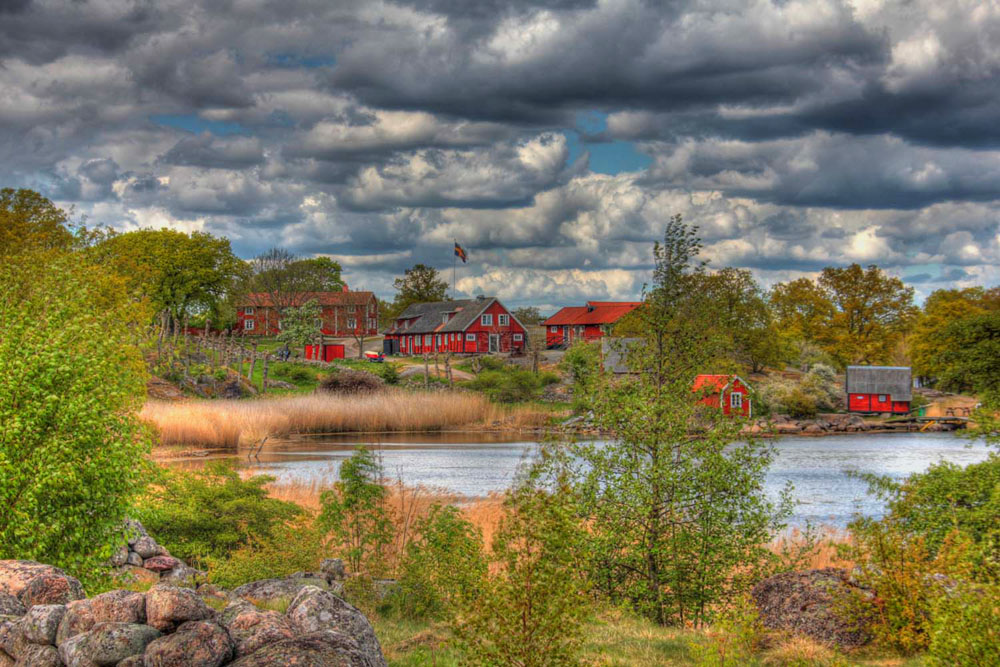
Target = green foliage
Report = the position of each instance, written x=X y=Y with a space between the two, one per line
x=528 y=315
x=210 y=513
x=745 y=318
x=29 y=223
x=300 y=324
x=531 y=608
x=355 y=513
x=442 y=567
x=296 y=546
x=511 y=385
x=969 y=356
x=389 y=373
x=733 y=640
x=419 y=284
x=293 y=373
x=72 y=447
x=582 y=362
x=966 y=628
x=817 y=391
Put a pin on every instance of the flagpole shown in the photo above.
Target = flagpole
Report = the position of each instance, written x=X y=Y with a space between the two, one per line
x=454 y=265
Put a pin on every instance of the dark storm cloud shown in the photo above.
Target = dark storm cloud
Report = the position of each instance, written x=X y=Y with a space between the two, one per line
x=206 y=151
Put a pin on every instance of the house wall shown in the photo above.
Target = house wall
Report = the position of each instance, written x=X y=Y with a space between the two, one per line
x=335 y=320
x=735 y=387
x=872 y=403
x=459 y=343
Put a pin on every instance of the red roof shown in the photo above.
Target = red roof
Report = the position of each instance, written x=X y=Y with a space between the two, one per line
x=595 y=312
x=715 y=382
x=262 y=300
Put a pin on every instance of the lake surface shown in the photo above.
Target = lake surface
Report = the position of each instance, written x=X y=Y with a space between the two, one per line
x=474 y=464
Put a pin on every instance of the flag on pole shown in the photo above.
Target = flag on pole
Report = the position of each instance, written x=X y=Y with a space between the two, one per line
x=460 y=252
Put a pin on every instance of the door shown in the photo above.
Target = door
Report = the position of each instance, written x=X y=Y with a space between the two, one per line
x=494 y=343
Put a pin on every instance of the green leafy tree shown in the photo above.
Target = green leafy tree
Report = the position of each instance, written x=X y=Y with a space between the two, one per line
x=72 y=446
x=929 y=343
x=419 y=284
x=286 y=280
x=802 y=310
x=745 y=317
x=300 y=324
x=582 y=362
x=356 y=514
x=29 y=221
x=969 y=356
x=528 y=315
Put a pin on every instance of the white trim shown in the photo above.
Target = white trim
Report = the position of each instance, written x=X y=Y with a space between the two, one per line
x=503 y=320
x=486 y=320
x=249 y=325
x=470 y=338
x=248 y=310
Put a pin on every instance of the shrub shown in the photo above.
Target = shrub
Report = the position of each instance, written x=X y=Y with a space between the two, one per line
x=347 y=381
x=72 y=447
x=390 y=374
x=491 y=363
x=293 y=547
x=356 y=513
x=211 y=513
x=508 y=386
x=966 y=627
x=293 y=373
x=733 y=640
x=800 y=404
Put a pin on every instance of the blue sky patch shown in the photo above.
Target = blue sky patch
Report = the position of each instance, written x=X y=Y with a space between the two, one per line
x=608 y=157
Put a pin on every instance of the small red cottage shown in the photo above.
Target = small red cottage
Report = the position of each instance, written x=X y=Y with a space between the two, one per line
x=879 y=389
x=729 y=391
x=471 y=326
x=589 y=323
x=342 y=314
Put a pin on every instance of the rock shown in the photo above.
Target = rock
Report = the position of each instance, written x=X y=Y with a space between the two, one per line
x=131 y=661
x=73 y=652
x=333 y=568
x=138 y=575
x=10 y=605
x=786 y=427
x=270 y=590
x=38 y=655
x=12 y=640
x=234 y=609
x=195 y=644
x=182 y=575
x=6 y=660
x=161 y=563
x=134 y=559
x=319 y=649
x=119 y=607
x=134 y=530
x=146 y=547
x=107 y=644
x=79 y=618
x=169 y=606
x=813 y=429
x=315 y=610
x=252 y=629
x=120 y=557
x=35 y=583
x=41 y=623
x=805 y=603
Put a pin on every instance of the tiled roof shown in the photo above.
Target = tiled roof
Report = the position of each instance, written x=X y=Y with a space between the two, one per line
x=595 y=312
x=895 y=381
x=263 y=300
x=429 y=317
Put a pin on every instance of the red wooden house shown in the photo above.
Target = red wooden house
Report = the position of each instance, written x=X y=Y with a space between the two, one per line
x=470 y=326
x=590 y=322
x=879 y=389
x=730 y=392
x=341 y=313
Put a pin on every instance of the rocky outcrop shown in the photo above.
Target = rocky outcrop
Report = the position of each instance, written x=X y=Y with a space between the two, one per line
x=810 y=603
x=143 y=560
x=172 y=626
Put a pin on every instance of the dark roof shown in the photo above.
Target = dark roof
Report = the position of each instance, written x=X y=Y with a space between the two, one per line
x=264 y=300
x=430 y=316
x=895 y=381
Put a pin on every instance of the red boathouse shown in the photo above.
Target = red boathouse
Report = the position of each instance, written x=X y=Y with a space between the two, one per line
x=471 y=326
x=729 y=391
x=589 y=323
x=879 y=389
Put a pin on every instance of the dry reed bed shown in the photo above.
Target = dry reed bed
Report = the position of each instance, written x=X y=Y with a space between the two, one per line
x=229 y=424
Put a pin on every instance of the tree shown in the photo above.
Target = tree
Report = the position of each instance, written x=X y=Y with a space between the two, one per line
x=29 y=221
x=969 y=357
x=319 y=274
x=420 y=284
x=355 y=512
x=300 y=324
x=745 y=318
x=528 y=315
x=72 y=445
x=930 y=343
x=280 y=280
x=802 y=310
x=182 y=274
x=676 y=524
x=873 y=312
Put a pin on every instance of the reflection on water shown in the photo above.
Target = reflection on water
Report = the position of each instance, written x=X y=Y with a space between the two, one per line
x=473 y=464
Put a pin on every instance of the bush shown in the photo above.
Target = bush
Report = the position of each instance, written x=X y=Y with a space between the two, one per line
x=356 y=513
x=390 y=374
x=72 y=447
x=491 y=363
x=508 y=386
x=293 y=547
x=582 y=362
x=293 y=373
x=211 y=513
x=347 y=381
x=733 y=640
x=966 y=628
x=799 y=404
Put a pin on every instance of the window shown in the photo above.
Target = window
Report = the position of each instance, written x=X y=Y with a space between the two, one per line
x=735 y=400
x=372 y=323
x=486 y=320
x=352 y=309
x=503 y=320
x=518 y=338
x=352 y=323
x=470 y=337
x=881 y=398
x=427 y=339
x=248 y=311
x=553 y=329
x=248 y=325
x=437 y=340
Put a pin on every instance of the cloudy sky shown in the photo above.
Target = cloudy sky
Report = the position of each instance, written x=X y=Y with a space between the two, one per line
x=551 y=138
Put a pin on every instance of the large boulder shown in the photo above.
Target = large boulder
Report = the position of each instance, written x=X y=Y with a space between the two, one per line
x=119 y=607
x=10 y=605
x=316 y=610
x=41 y=623
x=195 y=644
x=12 y=639
x=34 y=583
x=146 y=547
x=286 y=588
x=251 y=629
x=182 y=575
x=107 y=644
x=38 y=655
x=333 y=568
x=167 y=607
x=319 y=649
x=161 y=563
x=808 y=603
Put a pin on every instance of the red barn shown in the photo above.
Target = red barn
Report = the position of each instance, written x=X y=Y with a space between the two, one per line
x=589 y=323
x=729 y=391
x=470 y=326
x=879 y=389
x=341 y=313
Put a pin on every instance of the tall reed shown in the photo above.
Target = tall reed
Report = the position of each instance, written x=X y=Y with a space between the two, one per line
x=229 y=424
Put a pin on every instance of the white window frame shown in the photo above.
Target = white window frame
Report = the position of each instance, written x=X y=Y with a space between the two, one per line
x=249 y=325
x=372 y=322
x=553 y=329
x=882 y=398
x=427 y=339
x=486 y=319
x=518 y=338
x=437 y=340
x=470 y=338
x=503 y=320
x=248 y=310
x=352 y=323
x=736 y=400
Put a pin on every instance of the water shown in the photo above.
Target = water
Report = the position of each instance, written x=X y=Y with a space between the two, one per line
x=474 y=464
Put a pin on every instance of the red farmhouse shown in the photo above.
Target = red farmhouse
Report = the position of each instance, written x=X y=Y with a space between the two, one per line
x=471 y=326
x=729 y=391
x=342 y=313
x=589 y=323
x=879 y=389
